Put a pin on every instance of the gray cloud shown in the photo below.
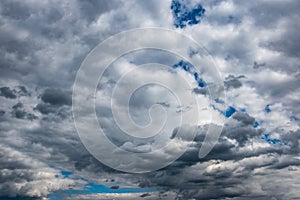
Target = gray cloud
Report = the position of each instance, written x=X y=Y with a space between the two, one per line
x=20 y=113
x=42 y=45
x=7 y=92
x=22 y=175
x=233 y=82
x=56 y=97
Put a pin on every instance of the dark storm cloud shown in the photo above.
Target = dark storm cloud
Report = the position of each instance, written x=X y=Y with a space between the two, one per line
x=8 y=93
x=56 y=97
x=227 y=167
x=15 y=92
x=55 y=101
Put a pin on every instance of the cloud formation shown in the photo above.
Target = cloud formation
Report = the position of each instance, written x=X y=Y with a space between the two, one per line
x=254 y=44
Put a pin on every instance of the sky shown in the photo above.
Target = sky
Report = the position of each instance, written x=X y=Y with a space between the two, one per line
x=249 y=49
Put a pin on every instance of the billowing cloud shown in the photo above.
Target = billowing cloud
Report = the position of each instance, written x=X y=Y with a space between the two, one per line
x=8 y=93
x=254 y=45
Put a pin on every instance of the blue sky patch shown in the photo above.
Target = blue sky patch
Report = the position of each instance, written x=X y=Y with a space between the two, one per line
x=189 y=68
x=66 y=174
x=184 y=16
x=184 y=65
x=230 y=110
x=267 y=138
x=267 y=108
x=256 y=124
x=93 y=188
x=199 y=80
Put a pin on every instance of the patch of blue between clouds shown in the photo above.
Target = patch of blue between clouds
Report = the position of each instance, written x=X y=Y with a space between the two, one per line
x=227 y=113
x=184 y=65
x=267 y=138
x=230 y=110
x=256 y=124
x=66 y=174
x=93 y=188
x=201 y=83
x=190 y=69
x=184 y=16
x=267 y=109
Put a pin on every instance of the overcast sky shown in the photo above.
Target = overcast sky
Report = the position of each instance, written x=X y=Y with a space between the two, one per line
x=255 y=48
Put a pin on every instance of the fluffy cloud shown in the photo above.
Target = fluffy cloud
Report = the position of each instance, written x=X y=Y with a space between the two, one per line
x=22 y=175
x=254 y=44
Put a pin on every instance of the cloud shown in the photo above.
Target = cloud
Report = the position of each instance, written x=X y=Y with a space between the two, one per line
x=7 y=92
x=240 y=153
x=253 y=45
x=233 y=82
x=20 y=113
x=293 y=139
x=56 y=97
x=22 y=175
x=245 y=118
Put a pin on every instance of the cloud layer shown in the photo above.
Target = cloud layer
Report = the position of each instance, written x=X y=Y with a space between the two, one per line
x=255 y=47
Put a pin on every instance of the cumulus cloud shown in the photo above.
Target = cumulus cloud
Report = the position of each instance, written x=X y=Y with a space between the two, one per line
x=8 y=93
x=254 y=45
x=56 y=97
x=22 y=175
